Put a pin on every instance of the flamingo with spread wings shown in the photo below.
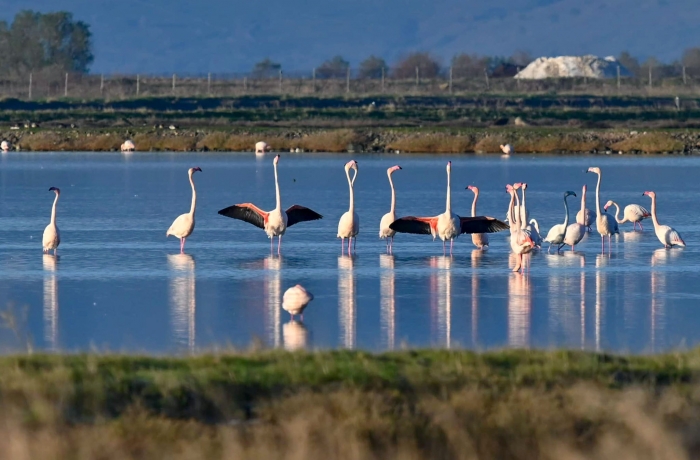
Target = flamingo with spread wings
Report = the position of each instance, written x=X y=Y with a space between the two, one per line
x=447 y=225
x=275 y=222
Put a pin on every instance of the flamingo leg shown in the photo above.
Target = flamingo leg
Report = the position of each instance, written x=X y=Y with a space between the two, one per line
x=279 y=244
x=602 y=243
x=342 y=246
x=640 y=226
x=349 y=243
x=391 y=246
x=443 y=247
x=182 y=245
x=271 y=240
x=354 y=244
x=452 y=242
x=302 y=317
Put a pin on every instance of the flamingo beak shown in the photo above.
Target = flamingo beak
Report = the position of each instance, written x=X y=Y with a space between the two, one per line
x=198 y=169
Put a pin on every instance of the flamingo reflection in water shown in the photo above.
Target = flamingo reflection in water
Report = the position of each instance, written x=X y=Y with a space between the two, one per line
x=441 y=295
x=387 y=288
x=183 y=302
x=347 y=313
x=659 y=258
x=519 y=309
x=50 y=301
x=295 y=335
x=272 y=292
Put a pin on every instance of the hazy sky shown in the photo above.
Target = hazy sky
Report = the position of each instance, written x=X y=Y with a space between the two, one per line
x=161 y=36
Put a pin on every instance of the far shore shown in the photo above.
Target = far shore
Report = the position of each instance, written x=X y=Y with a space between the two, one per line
x=360 y=140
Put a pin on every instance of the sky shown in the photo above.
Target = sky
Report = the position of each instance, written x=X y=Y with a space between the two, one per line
x=228 y=36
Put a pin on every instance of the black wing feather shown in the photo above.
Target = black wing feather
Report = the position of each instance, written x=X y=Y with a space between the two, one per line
x=245 y=214
x=411 y=224
x=481 y=224
x=296 y=214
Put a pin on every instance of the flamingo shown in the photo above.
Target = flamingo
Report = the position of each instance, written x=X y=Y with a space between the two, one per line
x=52 y=237
x=183 y=226
x=127 y=146
x=585 y=216
x=520 y=240
x=447 y=225
x=295 y=300
x=274 y=222
x=480 y=240
x=349 y=224
x=519 y=211
x=667 y=235
x=557 y=233
x=507 y=149
x=576 y=231
x=534 y=229
x=261 y=147
x=390 y=217
x=605 y=223
x=5 y=146
x=633 y=213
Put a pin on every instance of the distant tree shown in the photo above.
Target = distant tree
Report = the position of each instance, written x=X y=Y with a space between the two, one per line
x=36 y=41
x=266 y=69
x=521 y=58
x=428 y=66
x=333 y=68
x=691 y=58
x=372 y=67
x=630 y=63
x=470 y=66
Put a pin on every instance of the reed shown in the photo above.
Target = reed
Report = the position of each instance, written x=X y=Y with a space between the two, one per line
x=654 y=142
x=433 y=143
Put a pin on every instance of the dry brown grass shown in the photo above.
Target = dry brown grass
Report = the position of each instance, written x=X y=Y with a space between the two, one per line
x=433 y=143
x=650 y=143
x=490 y=144
x=97 y=143
x=557 y=143
x=43 y=142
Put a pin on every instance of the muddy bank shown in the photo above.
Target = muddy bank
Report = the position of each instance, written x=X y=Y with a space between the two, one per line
x=524 y=140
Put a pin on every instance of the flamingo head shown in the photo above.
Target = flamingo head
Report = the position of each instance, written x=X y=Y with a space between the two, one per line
x=524 y=185
x=475 y=189
x=276 y=160
x=569 y=193
x=393 y=168
x=650 y=194
x=585 y=187
x=607 y=205
x=449 y=166
x=594 y=169
x=55 y=190
x=517 y=185
x=352 y=164
x=509 y=188
x=193 y=170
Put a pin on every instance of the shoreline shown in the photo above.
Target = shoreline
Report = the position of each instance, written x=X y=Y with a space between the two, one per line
x=360 y=140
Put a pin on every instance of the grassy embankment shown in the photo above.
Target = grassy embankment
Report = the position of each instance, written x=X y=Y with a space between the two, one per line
x=460 y=124
x=352 y=405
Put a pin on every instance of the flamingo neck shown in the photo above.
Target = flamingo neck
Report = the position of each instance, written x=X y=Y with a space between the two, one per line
x=448 y=204
x=193 y=206
x=653 y=212
x=523 y=212
x=566 y=208
x=583 y=201
x=617 y=214
x=597 y=195
x=393 y=195
x=53 y=210
x=350 y=185
x=516 y=215
x=476 y=197
x=511 y=213
x=277 y=190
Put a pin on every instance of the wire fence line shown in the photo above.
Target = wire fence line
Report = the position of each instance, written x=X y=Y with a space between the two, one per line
x=114 y=86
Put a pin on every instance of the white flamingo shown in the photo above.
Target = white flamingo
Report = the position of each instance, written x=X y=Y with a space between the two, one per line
x=183 y=226
x=585 y=216
x=388 y=218
x=261 y=147
x=275 y=222
x=128 y=146
x=576 y=231
x=507 y=149
x=480 y=240
x=52 y=237
x=534 y=229
x=605 y=223
x=667 y=235
x=557 y=233
x=5 y=146
x=447 y=225
x=633 y=213
x=520 y=240
x=295 y=300
x=349 y=224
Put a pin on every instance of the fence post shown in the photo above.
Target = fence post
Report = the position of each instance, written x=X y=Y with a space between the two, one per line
x=280 y=84
x=313 y=80
x=347 y=80
x=382 y=79
x=174 y=84
x=517 y=80
x=30 y=86
x=649 y=76
x=138 y=85
x=684 y=79
x=450 y=79
x=618 y=77
x=209 y=84
x=486 y=75
x=102 y=83
x=417 y=77
x=65 y=87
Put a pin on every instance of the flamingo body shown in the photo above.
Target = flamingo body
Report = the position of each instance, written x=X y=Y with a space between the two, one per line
x=183 y=225
x=605 y=223
x=585 y=216
x=480 y=240
x=557 y=233
x=52 y=236
x=349 y=223
x=520 y=240
x=632 y=213
x=296 y=299
x=385 y=231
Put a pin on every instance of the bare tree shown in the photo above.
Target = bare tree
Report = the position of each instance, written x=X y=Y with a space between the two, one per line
x=372 y=67
x=630 y=63
x=428 y=66
x=469 y=66
x=521 y=58
x=266 y=69
x=691 y=58
x=333 y=68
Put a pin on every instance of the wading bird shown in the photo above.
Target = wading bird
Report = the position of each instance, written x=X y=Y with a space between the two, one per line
x=52 y=237
x=183 y=226
x=261 y=147
x=480 y=240
x=557 y=233
x=388 y=218
x=605 y=223
x=447 y=225
x=349 y=224
x=520 y=239
x=633 y=213
x=507 y=149
x=667 y=235
x=295 y=300
x=585 y=216
x=275 y=222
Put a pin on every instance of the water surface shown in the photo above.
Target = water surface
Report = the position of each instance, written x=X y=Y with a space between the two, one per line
x=119 y=284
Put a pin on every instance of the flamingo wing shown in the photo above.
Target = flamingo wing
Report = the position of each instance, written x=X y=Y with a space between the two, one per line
x=417 y=225
x=675 y=238
x=246 y=212
x=481 y=224
x=296 y=214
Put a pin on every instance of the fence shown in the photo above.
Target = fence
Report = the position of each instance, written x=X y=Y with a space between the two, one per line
x=90 y=86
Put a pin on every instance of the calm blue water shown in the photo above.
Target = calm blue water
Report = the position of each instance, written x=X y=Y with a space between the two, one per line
x=120 y=285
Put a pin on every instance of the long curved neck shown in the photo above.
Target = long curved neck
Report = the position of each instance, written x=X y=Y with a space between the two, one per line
x=55 y=200
x=583 y=201
x=448 y=204
x=597 y=194
x=194 y=196
x=523 y=212
x=566 y=208
x=476 y=197
x=277 y=190
x=511 y=214
x=653 y=211
x=393 y=195
x=617 y=214
x=516 y=215
x=352 y=194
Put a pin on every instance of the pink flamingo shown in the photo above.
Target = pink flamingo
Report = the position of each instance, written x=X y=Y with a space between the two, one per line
x=633 y=213
x=520 y=240
x=667 y=235
x=275 y=222
x=183 y=226
x=447 y=225
x=605 y=223
x=480 y=240
x=388 y=218
x=585 y=216
x=349 y=224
